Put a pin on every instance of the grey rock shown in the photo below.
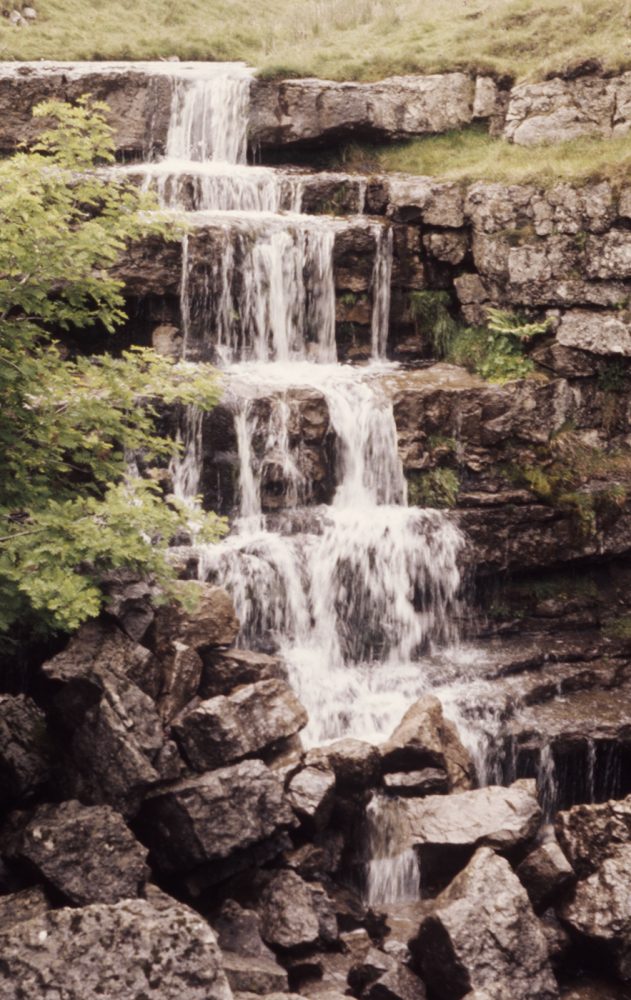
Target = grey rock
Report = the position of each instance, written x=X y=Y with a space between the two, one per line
x=482 y=935
x=24 y=905
x=295 y=913
x=228 y=727
x=224 y=670
x=239 y=931
x=113 y=743
x=356 y=764
x=130 y=602
x=589 y=834
x=124 y=951
x=254 y=974
x=429 y=781
x=311 y=792
x=608 y=255
x=290 y=112
x=87 y=853
x=600 y=908
x=209 y=817
x=425 y=199
x=24 y=750
x=558 y=110
x=544 y=871
x=319 y=858
x=494 y=816
x=424 y=738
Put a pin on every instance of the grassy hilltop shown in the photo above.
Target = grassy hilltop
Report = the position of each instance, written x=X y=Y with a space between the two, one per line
x=356 y=39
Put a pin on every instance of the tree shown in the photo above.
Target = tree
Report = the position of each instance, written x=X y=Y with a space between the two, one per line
x=70 y=508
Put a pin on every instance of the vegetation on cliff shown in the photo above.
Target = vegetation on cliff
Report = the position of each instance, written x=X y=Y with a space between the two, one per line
x=71 y=509
x=361 y=39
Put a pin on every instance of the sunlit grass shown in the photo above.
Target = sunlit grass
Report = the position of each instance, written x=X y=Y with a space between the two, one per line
x=359 y=39
x=471 y=155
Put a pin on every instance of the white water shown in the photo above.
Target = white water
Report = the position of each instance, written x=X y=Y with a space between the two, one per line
x=356 y=596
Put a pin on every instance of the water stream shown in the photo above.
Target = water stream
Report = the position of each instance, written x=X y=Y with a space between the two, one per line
x=360 y=597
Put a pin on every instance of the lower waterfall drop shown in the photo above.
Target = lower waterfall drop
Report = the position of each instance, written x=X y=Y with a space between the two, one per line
x=393 y=873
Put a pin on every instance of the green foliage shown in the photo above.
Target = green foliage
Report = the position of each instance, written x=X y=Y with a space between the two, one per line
x=430 y=310
x=436 y=488
x=70 y=509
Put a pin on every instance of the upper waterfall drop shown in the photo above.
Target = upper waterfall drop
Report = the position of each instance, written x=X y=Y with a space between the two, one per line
x=209 y=114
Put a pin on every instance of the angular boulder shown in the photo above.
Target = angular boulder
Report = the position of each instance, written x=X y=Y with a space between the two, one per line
x=125 y=951
x=482 y=935
x=295 y=913
x=429 y=781
x=224 y=670
x=250 y=966
x=214 y=815
x=424 y=738
x=543 y=872
x=598 y=332
x=354 y=763
x=600 y=909
x=87 y=853
x=24 y=752
x=311 y=792
x=111 y=737
x=588 y=834
x=228 y=727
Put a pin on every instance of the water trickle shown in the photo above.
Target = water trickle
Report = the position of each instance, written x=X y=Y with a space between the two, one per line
x=393 y=871
x=381 y=280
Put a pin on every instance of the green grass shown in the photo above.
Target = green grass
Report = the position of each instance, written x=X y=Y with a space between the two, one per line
x=359 y=39
x=471 y=155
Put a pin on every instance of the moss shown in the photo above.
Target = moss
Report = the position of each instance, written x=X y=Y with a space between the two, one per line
x=436 y=488
x=618 y=628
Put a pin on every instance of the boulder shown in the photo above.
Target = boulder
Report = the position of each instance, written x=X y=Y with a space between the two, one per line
x=24 y=905
x=600 y=909
x=429 y=781
x=355 y=763
x=543 y=872
x=378 y=976
x=24 y=757
x=482 y=935
x=588 y=834
x=424 y=738
x=130 y=602
x=319 y=858
x=87 y=853
x=228 y=727
x=124 y=951
x=311 y=111
x=596 y=331
x=224 y=670
x=180 y=636
x=111 y=737
x=446 y=829
x=310 y=792
x=214 y=815
x=558 y=110
x=255 y=975
x=295 y=913
x=239 y=930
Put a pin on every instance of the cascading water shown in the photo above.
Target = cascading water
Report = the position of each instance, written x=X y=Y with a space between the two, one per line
x=357 y=595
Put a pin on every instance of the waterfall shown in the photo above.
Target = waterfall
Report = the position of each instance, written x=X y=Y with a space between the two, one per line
x=356 y=596
x=265 y=288
x=209 y=115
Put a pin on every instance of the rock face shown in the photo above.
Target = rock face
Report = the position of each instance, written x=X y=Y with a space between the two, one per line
x=224 y=670
x=589 y=834
x=209 y=817
x=21 y=906
x=125 y=951
x=600 y=909
x=558 y=109
x=24 y=764
x=477 y=940
x=294 y=912
x=292 y=112
x=354 y=763
x=425 y=739
x=111 y=732
x=251 y=719
x=86 y=853
x=311 y=793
